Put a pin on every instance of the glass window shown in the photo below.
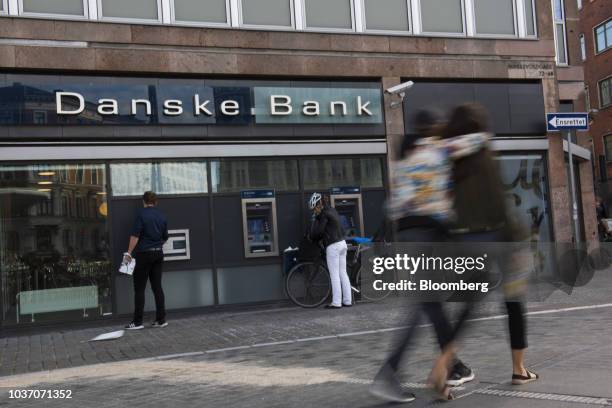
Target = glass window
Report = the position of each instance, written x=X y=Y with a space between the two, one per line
x=322 y=174
x=494 y=16
x=135 y=9
x=133 y=179
x=608 y=143
x=605 y=88
x=235 y=175
x=328 y=14
x=530 y=17
x=67 y=7
x=524 y=182
x=560 y=38
x=579 y=3
x=52 y=268
x=267 y=12
x=2 y=6
x=582 y=47
x=442 y=16
x=558 y=10
x=603 y=36
x=208 y=11
x=386 y=15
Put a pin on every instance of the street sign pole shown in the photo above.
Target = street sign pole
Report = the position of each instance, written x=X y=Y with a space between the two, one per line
x=566 y=122
x=572 y=187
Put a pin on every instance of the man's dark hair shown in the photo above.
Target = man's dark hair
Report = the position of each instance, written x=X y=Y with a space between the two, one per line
x=149 y=198
x=466 y=119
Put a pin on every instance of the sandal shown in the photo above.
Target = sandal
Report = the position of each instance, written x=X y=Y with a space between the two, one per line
x=518 y=379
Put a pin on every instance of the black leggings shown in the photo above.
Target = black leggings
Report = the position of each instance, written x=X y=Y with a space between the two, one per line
x=517 y=325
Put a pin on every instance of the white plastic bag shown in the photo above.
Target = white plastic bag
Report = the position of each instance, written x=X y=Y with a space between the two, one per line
x=127 y=264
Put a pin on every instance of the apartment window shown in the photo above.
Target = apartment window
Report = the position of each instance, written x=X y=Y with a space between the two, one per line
x=608 y=143
x=386 y=15
x=132 y=9
x=579 y=2
x=56 y=7
x=605 y=92
x=559 y=21
x=530 y=17
x=582 y=47
x=603 y=36
x=201 y=11
x=275 y=13
x=330 y=14
x=587 y=98
x=494 y=17
x=442 y=16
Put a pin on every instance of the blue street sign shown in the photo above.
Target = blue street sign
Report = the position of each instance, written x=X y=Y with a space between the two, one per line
x=556 y=122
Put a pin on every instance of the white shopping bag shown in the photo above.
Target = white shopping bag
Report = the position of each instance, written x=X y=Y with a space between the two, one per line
x=127 y=264
x=109 y=336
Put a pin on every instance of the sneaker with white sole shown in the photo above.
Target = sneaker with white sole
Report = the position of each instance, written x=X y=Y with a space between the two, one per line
x=459 y=375
x=134 y=326
x=158 y=324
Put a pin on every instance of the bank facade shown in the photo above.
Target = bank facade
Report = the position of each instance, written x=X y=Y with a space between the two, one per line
x=235 y=115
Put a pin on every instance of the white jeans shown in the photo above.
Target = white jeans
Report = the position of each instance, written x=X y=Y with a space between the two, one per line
x=340 y=283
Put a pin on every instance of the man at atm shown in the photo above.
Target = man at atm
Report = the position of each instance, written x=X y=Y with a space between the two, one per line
x=148 y=236
x=326 y=227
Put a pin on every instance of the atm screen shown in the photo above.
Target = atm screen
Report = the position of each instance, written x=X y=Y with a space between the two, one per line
x=346 y=222
x=257 y=226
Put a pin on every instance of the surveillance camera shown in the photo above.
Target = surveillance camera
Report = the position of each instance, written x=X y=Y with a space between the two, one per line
x=399 y=89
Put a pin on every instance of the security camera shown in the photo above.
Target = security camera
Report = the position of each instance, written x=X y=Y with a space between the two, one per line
x=400 y=89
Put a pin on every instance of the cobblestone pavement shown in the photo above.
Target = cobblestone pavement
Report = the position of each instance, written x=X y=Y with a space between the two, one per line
x=304 y=358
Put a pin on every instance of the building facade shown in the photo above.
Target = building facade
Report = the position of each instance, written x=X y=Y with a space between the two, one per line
x=595 y=38
x=235 y=111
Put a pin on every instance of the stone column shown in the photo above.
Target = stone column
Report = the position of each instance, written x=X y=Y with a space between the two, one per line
x=557 y=173
x=394 y=119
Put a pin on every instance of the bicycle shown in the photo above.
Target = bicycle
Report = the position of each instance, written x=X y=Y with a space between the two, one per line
x=308 y=283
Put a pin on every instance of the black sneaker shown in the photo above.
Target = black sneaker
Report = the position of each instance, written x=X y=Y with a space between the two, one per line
x=460 y=374
x=134 y=326
x=158 y=324
x=387 y=387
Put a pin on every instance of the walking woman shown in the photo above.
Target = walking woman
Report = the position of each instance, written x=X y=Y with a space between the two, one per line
x=421 y=206
x=326 y=228
x=482 y=217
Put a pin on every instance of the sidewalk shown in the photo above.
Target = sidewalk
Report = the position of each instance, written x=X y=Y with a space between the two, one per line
x=294 y=357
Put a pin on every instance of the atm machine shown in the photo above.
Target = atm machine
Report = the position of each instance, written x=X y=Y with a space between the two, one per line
x=259 y=223
x=347 y=202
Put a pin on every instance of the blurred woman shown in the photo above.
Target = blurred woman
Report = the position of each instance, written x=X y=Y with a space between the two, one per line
x=482 y=217
x=421 y=206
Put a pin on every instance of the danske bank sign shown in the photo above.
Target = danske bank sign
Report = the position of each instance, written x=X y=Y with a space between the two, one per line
x=266 y=105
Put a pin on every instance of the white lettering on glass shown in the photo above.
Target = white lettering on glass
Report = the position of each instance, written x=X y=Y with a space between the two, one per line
x=280 y=101
x=59 y=95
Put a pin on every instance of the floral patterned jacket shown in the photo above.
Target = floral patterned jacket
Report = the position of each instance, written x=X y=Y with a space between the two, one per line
x=422 y=182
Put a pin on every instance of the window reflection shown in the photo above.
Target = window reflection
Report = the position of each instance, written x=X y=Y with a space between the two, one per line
x=525 y=185
x=236 y=175
x=324 y=174
x=54 y=259
x=133 y=179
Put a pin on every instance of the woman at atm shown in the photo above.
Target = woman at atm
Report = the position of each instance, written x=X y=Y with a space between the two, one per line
x=326 y=227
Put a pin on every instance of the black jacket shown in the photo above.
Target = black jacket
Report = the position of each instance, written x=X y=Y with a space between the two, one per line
x=326 y=227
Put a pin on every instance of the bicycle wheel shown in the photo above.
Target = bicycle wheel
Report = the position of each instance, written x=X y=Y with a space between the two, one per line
x=308 y=284
x=366 y=285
